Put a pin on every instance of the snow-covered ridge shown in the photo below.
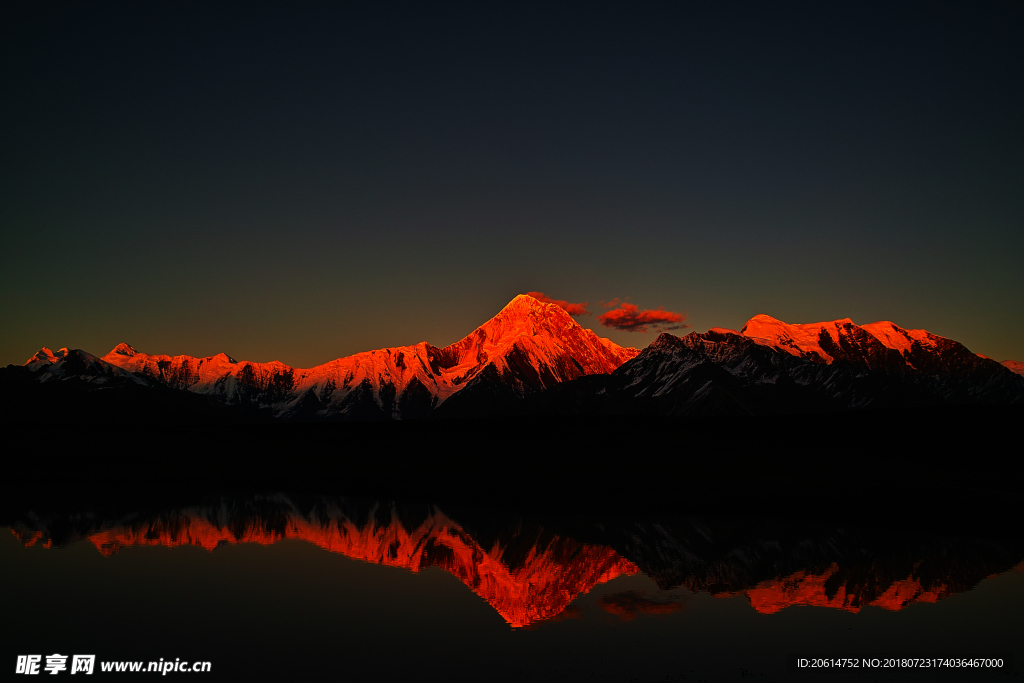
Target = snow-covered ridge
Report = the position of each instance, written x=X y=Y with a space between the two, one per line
x=398 y=381
x=771 y=366
x=819 y=340
x=66 y=363
x=1014 y=366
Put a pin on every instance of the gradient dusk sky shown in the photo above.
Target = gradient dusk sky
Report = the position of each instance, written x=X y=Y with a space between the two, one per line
x=305 y=181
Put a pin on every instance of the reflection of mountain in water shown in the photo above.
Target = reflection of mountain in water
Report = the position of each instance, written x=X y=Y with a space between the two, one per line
x=529 y=572
x=778 y=565
x=525 y=575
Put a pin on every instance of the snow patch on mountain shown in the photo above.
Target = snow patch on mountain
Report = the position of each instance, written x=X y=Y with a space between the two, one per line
x=1014 y=366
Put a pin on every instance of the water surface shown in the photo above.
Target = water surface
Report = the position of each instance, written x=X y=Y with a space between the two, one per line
x=275 y=586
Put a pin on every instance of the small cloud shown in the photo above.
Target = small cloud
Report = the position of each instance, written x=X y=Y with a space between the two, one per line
x=627 y=605
x=570 y=308
x=628 y=317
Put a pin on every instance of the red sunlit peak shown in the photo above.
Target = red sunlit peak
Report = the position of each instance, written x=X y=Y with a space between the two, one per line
x=123 y=349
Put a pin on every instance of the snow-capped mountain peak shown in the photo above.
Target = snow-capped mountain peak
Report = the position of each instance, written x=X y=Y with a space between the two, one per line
x=43 y=357
x=529 y=345
x=123 y=350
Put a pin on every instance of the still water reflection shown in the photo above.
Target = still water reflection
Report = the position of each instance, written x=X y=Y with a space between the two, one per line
x=534 y=574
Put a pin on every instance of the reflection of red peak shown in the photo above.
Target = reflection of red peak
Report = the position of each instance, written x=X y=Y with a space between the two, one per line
x=529 y=574
x=538 y=586
x=804 y=588
x=29 y=537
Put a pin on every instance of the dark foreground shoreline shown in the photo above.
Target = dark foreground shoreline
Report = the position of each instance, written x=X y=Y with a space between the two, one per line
x=943 y=470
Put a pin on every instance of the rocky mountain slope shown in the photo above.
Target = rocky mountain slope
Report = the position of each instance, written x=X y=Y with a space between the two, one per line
x=772 y=367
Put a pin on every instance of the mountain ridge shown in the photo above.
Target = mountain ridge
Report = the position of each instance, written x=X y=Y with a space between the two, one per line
x=531 y=349
x=771 y=367
x=529 y=345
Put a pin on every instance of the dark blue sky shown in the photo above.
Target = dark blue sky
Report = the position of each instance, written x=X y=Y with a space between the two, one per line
x=305 y=183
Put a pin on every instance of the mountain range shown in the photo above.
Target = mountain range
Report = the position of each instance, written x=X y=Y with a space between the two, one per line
x=534 y=358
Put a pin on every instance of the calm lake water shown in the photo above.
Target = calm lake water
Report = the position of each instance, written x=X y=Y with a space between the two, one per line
x=285 y=587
